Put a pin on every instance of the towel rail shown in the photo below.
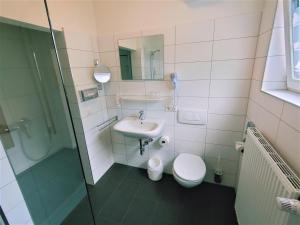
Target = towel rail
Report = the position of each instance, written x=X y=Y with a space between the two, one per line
x=106 y=123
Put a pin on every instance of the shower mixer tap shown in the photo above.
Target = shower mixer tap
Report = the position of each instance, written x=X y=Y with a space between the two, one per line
x=20 y=125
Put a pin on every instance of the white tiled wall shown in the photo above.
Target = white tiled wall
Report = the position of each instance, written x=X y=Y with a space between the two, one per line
x=78 y=66
x=11 y=198
x=279 y=121
x=215 y=68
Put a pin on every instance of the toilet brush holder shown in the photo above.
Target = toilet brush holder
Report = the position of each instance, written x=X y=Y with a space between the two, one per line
x=218 y=176
x=218 y=170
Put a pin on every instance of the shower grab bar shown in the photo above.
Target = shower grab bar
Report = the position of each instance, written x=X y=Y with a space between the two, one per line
x=106 y=123
x=44 y=100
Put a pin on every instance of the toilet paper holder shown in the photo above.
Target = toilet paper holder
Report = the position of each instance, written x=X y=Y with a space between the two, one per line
x=164 y=140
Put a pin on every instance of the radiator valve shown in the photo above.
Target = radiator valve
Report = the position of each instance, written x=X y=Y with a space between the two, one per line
x=289 y=205
x=239 y=146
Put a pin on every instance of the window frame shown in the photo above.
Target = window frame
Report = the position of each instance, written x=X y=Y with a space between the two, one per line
x=292 y=83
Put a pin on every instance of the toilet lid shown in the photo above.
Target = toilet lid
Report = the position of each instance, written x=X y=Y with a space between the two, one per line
x=189 y=167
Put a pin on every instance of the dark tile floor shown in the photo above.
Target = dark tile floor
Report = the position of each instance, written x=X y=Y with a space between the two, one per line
x=81 y=215
x=125 y=195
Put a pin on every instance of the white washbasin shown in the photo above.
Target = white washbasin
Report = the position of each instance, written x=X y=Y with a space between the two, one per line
x=134 y=127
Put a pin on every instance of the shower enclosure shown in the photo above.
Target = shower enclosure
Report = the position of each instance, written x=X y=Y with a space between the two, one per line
x=154 y=63
x=36 y=129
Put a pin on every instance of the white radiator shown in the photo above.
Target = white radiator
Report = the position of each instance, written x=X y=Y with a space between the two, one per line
x=263 y=176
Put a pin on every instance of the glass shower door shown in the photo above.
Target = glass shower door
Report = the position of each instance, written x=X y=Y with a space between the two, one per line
x=36 y=129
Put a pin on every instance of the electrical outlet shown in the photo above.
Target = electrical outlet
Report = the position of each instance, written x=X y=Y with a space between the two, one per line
x=171 y=108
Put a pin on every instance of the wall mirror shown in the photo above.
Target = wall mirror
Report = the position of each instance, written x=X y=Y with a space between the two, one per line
x=142 y=58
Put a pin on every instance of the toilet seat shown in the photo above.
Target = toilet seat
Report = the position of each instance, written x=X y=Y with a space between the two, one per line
x=189 y=167
x=184 y=180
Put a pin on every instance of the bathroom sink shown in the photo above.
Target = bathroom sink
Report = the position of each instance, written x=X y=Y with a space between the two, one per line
x=134 y=127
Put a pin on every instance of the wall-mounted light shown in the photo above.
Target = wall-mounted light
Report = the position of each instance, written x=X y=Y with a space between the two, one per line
x=102 y=73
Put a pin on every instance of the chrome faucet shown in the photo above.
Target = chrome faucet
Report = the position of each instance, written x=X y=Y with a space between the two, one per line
x=141 y=115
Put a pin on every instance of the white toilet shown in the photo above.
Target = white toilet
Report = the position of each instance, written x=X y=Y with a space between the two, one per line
x=189 y=170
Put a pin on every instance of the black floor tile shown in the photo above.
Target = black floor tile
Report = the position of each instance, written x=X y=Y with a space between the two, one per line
x=139 y=212
x=100 y=220
x=149 y=190
x=169 y=213
x=82 y=214
x=170 y=191
x=99 y=198
x=104 y=188
x=125 y=196
x=137 y=174
x=117 y=204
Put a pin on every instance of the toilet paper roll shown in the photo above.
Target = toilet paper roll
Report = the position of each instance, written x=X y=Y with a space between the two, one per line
x=164 y=140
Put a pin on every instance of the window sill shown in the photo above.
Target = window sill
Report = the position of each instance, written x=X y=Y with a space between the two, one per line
x=285 y=95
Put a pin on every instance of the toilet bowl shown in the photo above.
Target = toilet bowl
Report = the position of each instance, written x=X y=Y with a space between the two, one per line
x=189 y=170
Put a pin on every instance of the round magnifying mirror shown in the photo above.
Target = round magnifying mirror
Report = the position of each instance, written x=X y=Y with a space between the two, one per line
x=102 y=73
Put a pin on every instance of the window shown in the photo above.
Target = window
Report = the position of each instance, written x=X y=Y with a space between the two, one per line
x=292 y=25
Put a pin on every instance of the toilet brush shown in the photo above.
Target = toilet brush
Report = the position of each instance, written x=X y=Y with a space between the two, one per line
x=218 y=170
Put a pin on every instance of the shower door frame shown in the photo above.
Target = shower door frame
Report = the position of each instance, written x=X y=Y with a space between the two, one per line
x=67 y=103
x=3 y=217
